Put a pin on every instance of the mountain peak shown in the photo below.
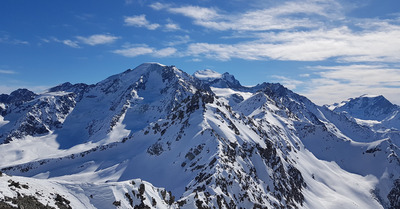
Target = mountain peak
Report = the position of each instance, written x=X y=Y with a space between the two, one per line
x=150 y=65
x=216 y=79
x=366 y=107
x=17 y=96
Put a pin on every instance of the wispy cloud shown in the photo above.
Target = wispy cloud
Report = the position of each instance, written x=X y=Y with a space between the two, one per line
x=315 y=45
x=7 y=72
x=140 y=21
x=310 y=30
x=196 y=12
x=285 y=16
x=178 y=40
x=93 y=40
x=166 y=52
x=336 y=83
x=70 y=43
x=84 y=16
x=97 y=39
x=6 y=39
x=172 y=26
x=145 y=50
x=158 y=6
x=134 y=51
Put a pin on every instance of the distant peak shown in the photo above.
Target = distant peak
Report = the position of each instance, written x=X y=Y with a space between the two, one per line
x=373 y=99
x=18 y=96
x=366 y=107
x=370 y=96
x=148 y=64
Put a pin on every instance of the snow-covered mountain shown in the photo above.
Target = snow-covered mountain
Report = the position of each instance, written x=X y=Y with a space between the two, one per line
x=211 y=142
x=367 y=107
x=375 y=112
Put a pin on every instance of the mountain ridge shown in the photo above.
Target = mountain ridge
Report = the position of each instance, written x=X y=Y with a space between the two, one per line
x=212 y=144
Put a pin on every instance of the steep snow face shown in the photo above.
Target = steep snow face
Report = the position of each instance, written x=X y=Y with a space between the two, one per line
x=209 y=140
x=21 y=192
x=133 y=98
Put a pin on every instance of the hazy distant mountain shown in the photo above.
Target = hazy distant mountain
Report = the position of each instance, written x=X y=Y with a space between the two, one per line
x=158 y=137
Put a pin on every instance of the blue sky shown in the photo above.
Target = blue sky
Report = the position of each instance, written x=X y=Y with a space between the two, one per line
x=327 y=50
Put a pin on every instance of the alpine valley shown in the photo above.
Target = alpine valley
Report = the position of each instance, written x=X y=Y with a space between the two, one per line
x=157 y=137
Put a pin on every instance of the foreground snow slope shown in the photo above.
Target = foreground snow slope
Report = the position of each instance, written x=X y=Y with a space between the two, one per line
x=205 y=138
x=31 y=192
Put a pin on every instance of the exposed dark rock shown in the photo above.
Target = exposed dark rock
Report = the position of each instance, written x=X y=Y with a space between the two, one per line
x=394 y=195
x=23 y=202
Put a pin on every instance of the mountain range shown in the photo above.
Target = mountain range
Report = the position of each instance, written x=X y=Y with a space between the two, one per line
x=157 y=137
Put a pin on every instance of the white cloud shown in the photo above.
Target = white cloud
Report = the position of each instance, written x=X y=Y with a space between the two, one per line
x=6 y=39
x=172 y=27
x=165 y=52
x=92 y=40
x=314 y=45
x=70 y=43
x=195 y=12
x=97 y=39
x=7 y=72
x=283 y=16
x=307 y=30
x=134 y=51
x=145 y=50
x=338 y=83
x=140 y=21
x=196 y=60
x=158 y=6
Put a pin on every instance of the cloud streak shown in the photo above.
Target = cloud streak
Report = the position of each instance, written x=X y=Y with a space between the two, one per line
x=70 y=43
x=7 y=72
x=97 y=39
x=145 y=50
x=286 y=16
x=93 y=40
x=341 y=44
x=6 y=39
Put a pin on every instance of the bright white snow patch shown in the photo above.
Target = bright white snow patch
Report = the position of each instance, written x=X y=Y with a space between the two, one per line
x=367 y=122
